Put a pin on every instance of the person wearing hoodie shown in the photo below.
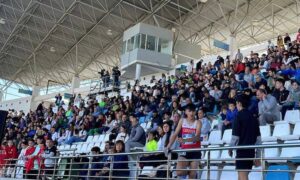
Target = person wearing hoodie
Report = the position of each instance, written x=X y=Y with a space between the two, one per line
x=292 y=100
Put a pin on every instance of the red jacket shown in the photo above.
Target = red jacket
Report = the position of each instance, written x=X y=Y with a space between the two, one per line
x=3 y=156
x=11 y=152
x=240 y=67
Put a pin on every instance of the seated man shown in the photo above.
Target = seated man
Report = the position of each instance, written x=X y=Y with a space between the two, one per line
x=137 y=136
x=268 y=110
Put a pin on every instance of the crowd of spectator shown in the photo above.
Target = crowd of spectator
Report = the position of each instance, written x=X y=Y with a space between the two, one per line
x=205 y=91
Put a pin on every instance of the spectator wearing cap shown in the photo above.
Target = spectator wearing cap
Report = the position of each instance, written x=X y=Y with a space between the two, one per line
x=137 y=136
x=280 y=93
x=268 y=110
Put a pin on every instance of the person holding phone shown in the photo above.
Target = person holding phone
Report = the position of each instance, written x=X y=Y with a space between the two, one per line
x=245 y=132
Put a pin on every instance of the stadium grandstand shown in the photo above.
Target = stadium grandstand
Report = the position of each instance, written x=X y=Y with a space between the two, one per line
x=150 y=89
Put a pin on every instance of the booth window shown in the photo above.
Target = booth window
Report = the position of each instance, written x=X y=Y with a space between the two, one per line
x=151 y=43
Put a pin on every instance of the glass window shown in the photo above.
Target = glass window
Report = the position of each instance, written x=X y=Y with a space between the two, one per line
x=143 y=41
x=124 y=47
x=164 y=46
x=137 y=41
x=130 y=43
x=150 y=43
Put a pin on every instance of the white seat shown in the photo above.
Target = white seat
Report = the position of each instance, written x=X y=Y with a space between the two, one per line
x=292 y=116
x=102 y=147
x=227 y=136
x=256 y=173
x=297 y=175
x=143 y=125
x=149 y=124
x=225 y=155
x=280 y=130
x=214 y=138
x=271 y=152
x=101 y=138
x=214 y=123
x=214 y=155
x=265 y=131
x=295 y=135
x=148 y=171
x=90 y=139
x=96 y=138
x=106 y=138
x=290 y=152
x=78 y=150
x=229 y=172
x=214 y=173
x=83 y=148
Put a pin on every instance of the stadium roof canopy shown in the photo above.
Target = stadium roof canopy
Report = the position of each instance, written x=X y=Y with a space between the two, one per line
x=39 y=38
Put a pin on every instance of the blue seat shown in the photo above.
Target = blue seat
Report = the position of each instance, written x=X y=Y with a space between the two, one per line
x=273 y=175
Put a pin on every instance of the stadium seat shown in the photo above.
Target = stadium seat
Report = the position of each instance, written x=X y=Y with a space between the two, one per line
x=290 y=152
x=143 y=125
x=106 y=138
x=273 y=175
x=215 y=123
x=149 y=124
x=297 y=174
x=148 y=171
x=265 y=131
x=295 y=135
x=83 y=148
x=292 y=116
x=214 y=155
x=280 y=130
x=101 y=138
x=225 y=155
x=89 y=139
x=214 y=173
x=96 y=138
x=78 y=148
x=256 y=173
x=271 y=152
x=226 y=137
x=229 y=172
x=214 y=138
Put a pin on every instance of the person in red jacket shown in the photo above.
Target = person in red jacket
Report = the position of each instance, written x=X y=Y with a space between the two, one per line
x=3 y=156
x=11 y=155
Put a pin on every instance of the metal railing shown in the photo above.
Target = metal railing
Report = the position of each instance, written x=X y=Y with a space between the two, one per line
x=71 y=166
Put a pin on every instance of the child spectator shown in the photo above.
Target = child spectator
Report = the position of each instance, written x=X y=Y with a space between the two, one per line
x=49 y=152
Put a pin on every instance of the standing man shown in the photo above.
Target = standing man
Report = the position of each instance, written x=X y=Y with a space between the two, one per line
x=245 y=132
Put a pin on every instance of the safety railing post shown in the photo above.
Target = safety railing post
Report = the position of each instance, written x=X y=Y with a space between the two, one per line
x=136 y=167
x=208 y=164
x=71 y=164
x=89 y=169
x=263 y=163
x=169 y=165
x=54 y=168
x=110 y=168
x=39 y=170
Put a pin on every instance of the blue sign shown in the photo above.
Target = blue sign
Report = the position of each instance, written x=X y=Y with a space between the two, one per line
x=221 y=45
x=24 y=91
